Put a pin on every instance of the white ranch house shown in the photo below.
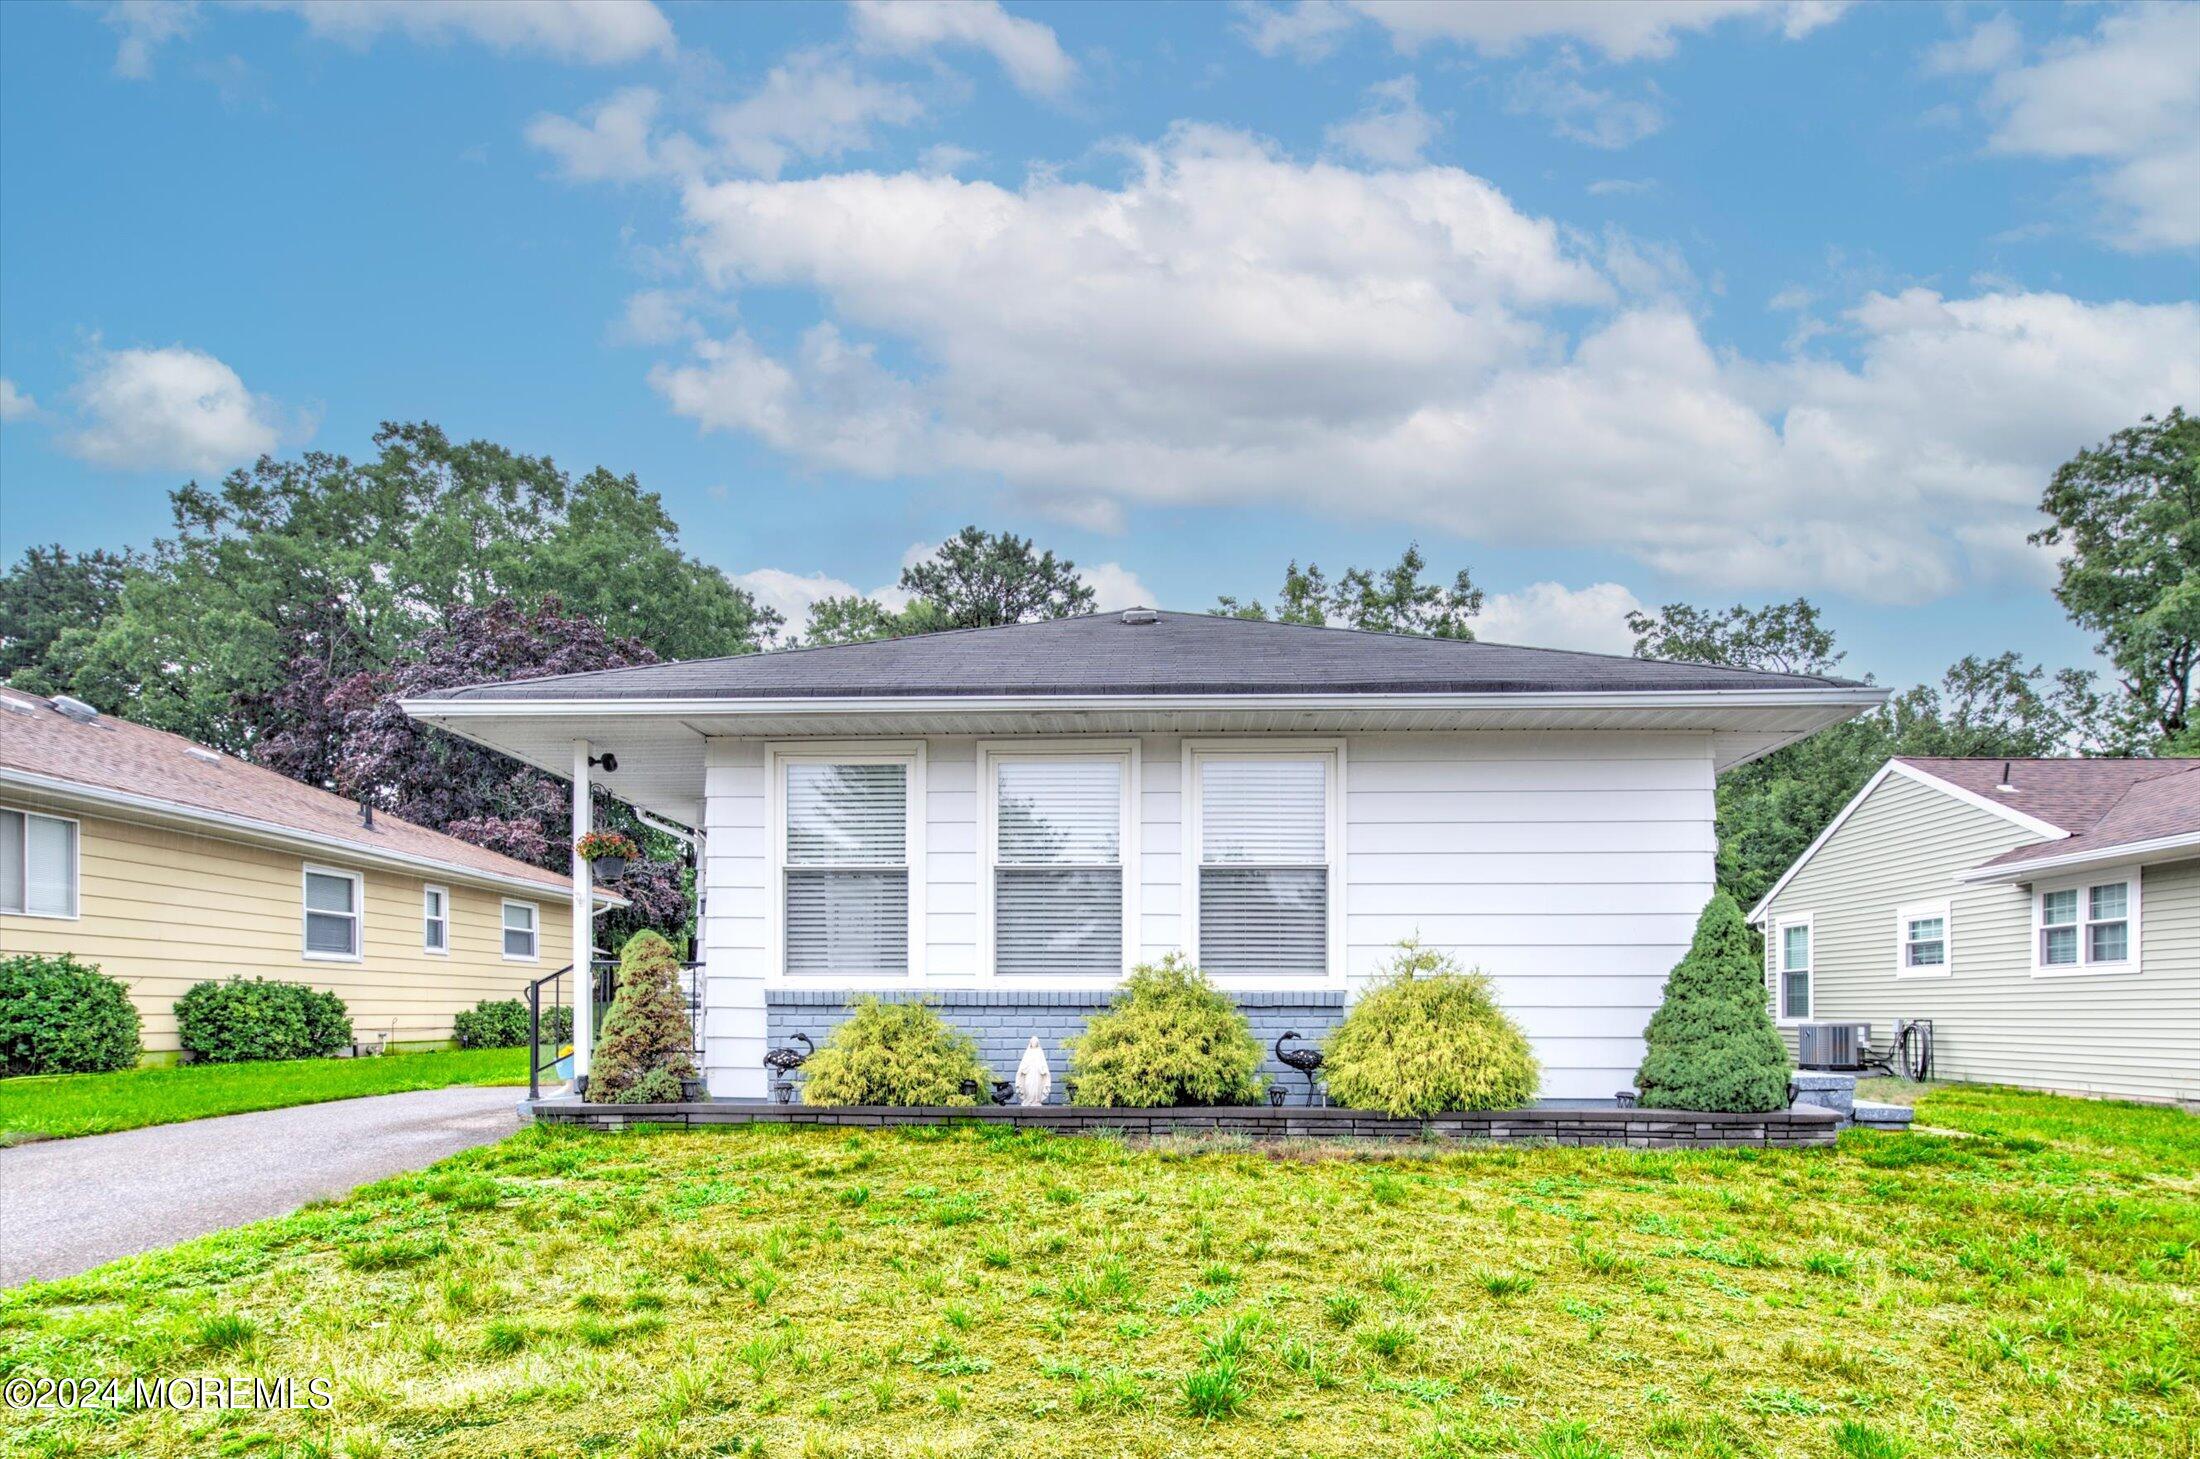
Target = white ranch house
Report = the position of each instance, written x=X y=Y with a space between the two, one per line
x=1005 y=820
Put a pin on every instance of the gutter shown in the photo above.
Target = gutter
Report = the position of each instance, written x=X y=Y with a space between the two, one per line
x=2123 y=853
x=291 y=836
x=436 y=709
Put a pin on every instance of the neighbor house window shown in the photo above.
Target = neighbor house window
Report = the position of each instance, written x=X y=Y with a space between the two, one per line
x=1058 y=833
x=435 y=919
x=1921 y=935
x=1264 y=863
x=845 y=867
x=1795 y=955
x=333 y=900
x=519 y=931
x=38 y=872
x=2087 y=925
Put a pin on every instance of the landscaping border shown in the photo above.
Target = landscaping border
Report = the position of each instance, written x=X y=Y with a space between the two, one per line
x=1642 y=1129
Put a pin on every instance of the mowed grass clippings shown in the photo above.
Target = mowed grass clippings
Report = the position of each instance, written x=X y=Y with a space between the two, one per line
x=818 y=1292
x=62 y=1105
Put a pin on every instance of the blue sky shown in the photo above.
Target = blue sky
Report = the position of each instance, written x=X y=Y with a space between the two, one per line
x=1614 y=304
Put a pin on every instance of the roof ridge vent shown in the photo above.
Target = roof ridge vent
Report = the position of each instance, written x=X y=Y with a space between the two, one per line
x=200 y=752
x=19 y=706
x=1140 y=617
x=68 y=706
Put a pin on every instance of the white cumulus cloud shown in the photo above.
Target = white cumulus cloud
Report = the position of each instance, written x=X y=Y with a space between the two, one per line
x=16 y=404
x=1392 y=130
x=1620 y=30
x=1228 y=325
x=2127 y=99
x=1551 y=615
x=1029 y=52
x=170 y=409
x=587 y=32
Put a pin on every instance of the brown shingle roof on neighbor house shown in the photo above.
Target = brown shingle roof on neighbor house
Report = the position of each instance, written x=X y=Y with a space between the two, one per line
x=109 y=754
x=2101 y=803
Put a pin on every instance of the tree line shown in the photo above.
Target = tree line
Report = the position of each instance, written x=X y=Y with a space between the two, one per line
x=295 y=603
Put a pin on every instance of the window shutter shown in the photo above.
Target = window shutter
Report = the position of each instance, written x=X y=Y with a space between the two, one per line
x=1264 y=875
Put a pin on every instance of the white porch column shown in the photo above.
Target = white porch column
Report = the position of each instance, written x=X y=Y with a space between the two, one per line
x=584 y=927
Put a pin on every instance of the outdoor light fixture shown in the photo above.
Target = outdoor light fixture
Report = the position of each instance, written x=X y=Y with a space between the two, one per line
x=609 y=761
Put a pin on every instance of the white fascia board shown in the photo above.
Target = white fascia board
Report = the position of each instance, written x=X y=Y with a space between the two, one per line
x=250 y=828
x=2016 y=817
x=2124 y=853
x=433 y=710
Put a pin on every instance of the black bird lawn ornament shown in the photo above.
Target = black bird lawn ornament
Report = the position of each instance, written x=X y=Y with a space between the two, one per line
x=1306 y=1060
x=783 y=1062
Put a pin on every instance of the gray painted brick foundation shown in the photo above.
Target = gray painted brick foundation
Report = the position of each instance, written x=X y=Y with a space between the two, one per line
x=1002 y=1022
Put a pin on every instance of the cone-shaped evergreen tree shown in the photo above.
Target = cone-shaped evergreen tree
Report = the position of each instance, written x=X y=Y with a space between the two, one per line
x=648 y=1044
x=1712 y=1043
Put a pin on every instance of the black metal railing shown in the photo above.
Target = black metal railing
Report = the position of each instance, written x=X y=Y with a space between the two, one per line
x=550 y=1035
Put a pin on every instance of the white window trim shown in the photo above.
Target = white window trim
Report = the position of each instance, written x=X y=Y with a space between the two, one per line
x=2085 y=967
x=1250 y=748
x=358 y=951
x=990 y=755
x=1903 y=917
x=536 y=908
x=1778 y=947
x=76 y=872
x=842 y=752
x=445 y=893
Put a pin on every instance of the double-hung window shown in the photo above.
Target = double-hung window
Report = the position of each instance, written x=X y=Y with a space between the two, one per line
x=435 y=919
x=1058 y=831
x=1264 y=862
x=1921 y=940
x=845 y=867
x=38 y=871
x=332 y=912
x=520 y=927
x=1795 y=953
x=2088 y=925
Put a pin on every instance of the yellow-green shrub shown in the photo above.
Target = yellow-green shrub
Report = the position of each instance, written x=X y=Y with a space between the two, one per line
x=1427 y=1038
x=1167 y=1038
x=895 y=1053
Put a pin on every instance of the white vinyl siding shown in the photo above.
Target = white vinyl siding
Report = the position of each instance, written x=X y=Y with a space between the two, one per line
x=38 y=864
x=522 y=932
x=846 y=868
x=1057 y=884
x=1264 y=875
x=1569 y=866
x=435 y=920
x=331 y=914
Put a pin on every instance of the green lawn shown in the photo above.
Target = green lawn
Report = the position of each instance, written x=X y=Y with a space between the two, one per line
x=93 y=1104
x=2028 y=1287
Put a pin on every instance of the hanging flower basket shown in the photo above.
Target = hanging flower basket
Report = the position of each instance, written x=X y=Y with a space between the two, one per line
x=607 y=853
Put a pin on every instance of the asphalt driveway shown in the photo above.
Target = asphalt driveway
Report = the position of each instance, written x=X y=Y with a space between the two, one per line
x=68 y=1205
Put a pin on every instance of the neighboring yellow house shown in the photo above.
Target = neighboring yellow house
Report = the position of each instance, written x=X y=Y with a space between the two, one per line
x=166 y=863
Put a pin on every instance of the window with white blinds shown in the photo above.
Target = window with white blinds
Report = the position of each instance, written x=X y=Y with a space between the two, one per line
x=1264 y=875
x=1058 y=866
x=332 y=914
x=38 y=870
x=846 y=864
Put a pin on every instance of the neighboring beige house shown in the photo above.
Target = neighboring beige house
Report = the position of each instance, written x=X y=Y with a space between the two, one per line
x=166 y=863
x=2044 y=914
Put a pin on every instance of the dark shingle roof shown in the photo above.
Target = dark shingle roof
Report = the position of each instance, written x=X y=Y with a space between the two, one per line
x=1179 y=653
x=2103 y=804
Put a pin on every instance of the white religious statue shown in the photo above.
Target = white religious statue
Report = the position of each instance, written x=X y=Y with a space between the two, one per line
x=1033 y=1078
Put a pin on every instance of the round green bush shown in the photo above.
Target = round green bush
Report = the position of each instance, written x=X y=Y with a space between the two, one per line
x=1711 y=1043
x=1168 y=1037
x=1427 y=1038
x=647 y=1030
x=248 y=1019
x=894 y=1053
x=60 y=1016
x=493 y=1023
